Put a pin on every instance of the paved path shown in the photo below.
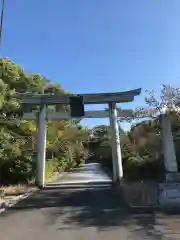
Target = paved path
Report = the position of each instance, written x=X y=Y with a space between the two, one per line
x=88 y=173
x=77 y=211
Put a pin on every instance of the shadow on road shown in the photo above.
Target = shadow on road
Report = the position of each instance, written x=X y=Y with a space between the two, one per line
x=92 y=205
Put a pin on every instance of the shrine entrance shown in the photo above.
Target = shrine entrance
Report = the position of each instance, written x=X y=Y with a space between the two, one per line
x=77 y=111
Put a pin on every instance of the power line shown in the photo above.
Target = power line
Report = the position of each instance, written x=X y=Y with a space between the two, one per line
x=1 y=23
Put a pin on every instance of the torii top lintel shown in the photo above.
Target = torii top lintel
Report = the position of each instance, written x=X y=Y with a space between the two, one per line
x=95 y=98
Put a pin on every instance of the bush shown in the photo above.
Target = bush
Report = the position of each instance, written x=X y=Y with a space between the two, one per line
x=51 y=168
x=145 y=170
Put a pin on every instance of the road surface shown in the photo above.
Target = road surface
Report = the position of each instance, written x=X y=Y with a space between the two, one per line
x=83 y=207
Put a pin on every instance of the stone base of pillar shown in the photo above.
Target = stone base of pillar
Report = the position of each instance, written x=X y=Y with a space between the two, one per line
x=169 y=195
x=173 y=177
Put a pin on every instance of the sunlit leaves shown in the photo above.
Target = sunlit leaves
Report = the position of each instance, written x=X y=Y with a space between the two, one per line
x=169 y=99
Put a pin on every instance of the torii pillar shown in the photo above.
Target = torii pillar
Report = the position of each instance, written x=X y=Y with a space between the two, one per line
x=170 y=161
x=41 y=146
x=115 y=143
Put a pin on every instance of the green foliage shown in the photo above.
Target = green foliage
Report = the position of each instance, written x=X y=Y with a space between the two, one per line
x=141 y=149
x=68 y=145
x=65 y=144
x=51 y=168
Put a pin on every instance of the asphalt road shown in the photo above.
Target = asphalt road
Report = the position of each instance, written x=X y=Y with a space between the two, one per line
x=83 y=207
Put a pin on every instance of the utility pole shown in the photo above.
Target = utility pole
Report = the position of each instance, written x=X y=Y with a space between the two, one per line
x=1 y=22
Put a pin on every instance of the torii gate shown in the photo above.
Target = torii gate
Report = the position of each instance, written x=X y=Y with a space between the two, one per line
x=99 y=98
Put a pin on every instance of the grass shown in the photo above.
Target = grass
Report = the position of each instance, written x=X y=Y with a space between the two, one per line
x=14 y=190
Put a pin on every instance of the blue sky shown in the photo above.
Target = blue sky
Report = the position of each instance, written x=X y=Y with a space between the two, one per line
x=92 y=46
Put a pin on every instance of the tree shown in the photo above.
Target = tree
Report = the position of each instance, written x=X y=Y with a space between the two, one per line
x=146 y=135
x=65 y=144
